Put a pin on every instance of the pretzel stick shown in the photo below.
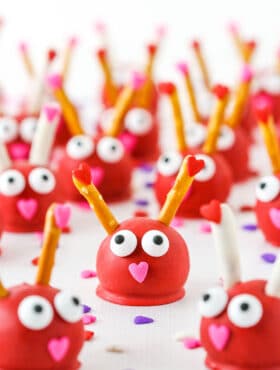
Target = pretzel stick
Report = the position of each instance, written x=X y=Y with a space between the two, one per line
x=248 y=50
x=123 y=104
x=68 y=109
x=268 y=130
x=3 y=291
x=237 y=39
x=183 y=68
x=110 y=87
x=241 y=97
x=170 y=90
x=94 y=198
x=216 y=119
x=202 y=63
x=5 y=160
x=24 y=52
x=175 y=196
x=68 y=56
x=50 y=242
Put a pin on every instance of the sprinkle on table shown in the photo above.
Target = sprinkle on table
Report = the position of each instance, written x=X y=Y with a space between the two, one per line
x=250 y=227
x=191 y=343
x=89 y=319
x=114 y=349
x=142 y=320
x=149 y=185
x=35 y=261
x=205 y=227
x=89 y=335
x=141 y=202
x=269 y=257
x=177 y=222
x=88 y=274
x=86 y=308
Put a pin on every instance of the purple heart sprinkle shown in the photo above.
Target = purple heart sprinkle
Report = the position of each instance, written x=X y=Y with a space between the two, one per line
x=268 y=257
x=141 y=320
x=86 y=309
x=141 y=202
x=149 y=185
x=250 y=227
x=146 y=167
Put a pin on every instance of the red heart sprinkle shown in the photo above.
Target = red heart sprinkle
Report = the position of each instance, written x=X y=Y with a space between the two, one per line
x=194 y=165
x=262 y=108
x=35 y=261
x=51 y=55
x=166 y=88
x=83 y=173
x=101 y=53
x=88 y=335
x=196 y=44
x=220 y=91
x=212 y=211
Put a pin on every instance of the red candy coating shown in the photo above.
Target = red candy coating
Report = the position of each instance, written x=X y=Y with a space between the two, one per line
x=26 y=349
x=163 y=279
x=249 y=348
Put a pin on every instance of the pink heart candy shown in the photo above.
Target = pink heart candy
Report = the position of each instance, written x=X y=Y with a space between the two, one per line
x=97 y=175
x=27 y=208
x=129 y=141
x=274 y=215
x=62 y=214
x=219 y=335
x=58 y=348
x=52 y=110
x=19 y=151
x=139 y=271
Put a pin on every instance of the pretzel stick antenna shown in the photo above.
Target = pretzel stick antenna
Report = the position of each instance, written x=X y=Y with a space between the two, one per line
x=200 y=57
x=216 y=120
x=82 y=181
x=69 y=111
x=182 y=184
x=241 y=97
x=236 y=37
x=184 y=70
x=45 y=134
x=27 y=62
x=68 y=56
x=5 y=160
x=3 y=291
x=267 y=126
x=50 y=242
x=124 y=100
x=170 y=90
x=249 y=49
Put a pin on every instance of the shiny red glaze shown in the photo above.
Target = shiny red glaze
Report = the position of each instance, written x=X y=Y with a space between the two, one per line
x=166 y=274
x=12 y=220
x=25 y=349
x=115 y=184
x=200 y=193
x=254 y=348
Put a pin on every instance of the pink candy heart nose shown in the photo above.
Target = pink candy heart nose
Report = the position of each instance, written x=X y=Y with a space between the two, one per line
x=62 y=214
x=58 y=348
x=129 y=141
x=19 y=151
x=139 y=271
x=274 y=215
x=27 y=208
x=97 y=175
x=219 y=335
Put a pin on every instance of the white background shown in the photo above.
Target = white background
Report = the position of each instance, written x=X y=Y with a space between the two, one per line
x=45 y=23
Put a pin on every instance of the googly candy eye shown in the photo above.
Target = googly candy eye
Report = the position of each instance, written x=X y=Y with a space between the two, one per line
x=12 y=183
x=169 y=163
x=8 y=129
x=245 y=310
x=268 y=188
x=123 y=243
x=80 y=147
x=110 y=150
x=27 y=129
x=68 y=307
x=209 y=168
x=35 y=312
x=155 y=243
x=42 y=180
x=213 y=302
x=138 y=121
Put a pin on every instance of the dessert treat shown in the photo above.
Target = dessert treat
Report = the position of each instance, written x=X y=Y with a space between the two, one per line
x=27 y=188
x=111 y=165
x=215 y=180
x=233 y=143
x=245 y=48
x=41 y=326
x=142 y=262
x=239 y=325
x=268 y=187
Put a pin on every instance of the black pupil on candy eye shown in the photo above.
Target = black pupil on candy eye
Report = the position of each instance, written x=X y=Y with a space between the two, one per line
x=38 y=308
x=262 y=185
x=157 y=239
x=206 y=297
x=244 y=306
x=166 y=159
x=45 y=177
x=76 y=301
x=79 y=143
x=119 y=239
x=11 y=180
x=113 y=148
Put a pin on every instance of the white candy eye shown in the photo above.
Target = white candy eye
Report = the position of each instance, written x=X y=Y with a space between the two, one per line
x=209 y=168
x=12 y=183
x=42 y=180
x=226 y=138
x=138 y=121
x=106 y=119
x=169 y=163
x=35 y=312
x=123 y=243
x=196 y=134
x=245 y=310
x=268 y=188
x=213 y=302
x=27 y=129
x=80 y=147
x=68 y=307
x=8 y=129
x=155 y=243
x=110 y=149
